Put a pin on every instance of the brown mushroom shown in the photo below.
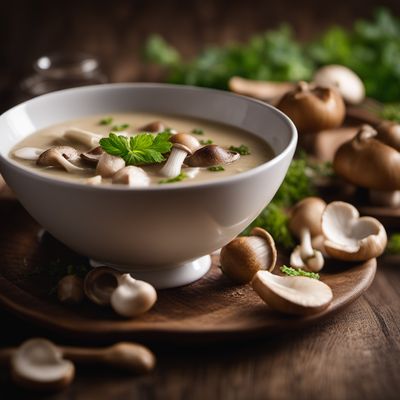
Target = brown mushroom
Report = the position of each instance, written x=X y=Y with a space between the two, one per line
x=305 y=224
x=211 y=155
x=389 y=133
x=59 y=157
x=313 y=108
x=245 y=255
x=153 y=127
x=367 y=162
x=350 y=237
x=93 y=156
x=183 y=145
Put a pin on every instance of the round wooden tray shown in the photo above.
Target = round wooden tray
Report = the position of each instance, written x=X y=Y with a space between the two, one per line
x=211 y=309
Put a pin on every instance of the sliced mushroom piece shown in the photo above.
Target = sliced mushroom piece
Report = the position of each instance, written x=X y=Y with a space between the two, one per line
x=344 y=79
x=131 y=176
x=298 y=295
x=108 y=165
x=153 y=127
x=368 y=162
x=350 y=237
x=93 y=156
x=93 y=180
x=211 y=155
x=245 y=255
x=28 y=153
x=183 y=145
x=127 y=296
x=82 y=136
x=305 y=223
x=59 y=157
x=39 y=364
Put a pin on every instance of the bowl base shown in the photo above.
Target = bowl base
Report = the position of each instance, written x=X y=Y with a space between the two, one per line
x=166 y=278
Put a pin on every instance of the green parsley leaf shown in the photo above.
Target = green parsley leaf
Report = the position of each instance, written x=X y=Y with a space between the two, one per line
x=177 y=178
x=393 y=246
x=205 y=142
x=216 y=168
x=106 y=121
x=141 y=149
x=243 y=150
x=119 y=128
x=298 y=272
x=197 y=131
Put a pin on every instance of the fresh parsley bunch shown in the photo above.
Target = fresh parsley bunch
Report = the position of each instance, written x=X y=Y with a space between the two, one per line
x=141 y=149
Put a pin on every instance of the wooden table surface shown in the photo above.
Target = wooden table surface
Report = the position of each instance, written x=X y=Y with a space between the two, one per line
x=353 y=355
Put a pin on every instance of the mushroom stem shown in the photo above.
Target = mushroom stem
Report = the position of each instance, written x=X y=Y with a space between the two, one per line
x=68 y=166
x=388 y=198
x=174 y=163
x=86 y=138
x=307 y=250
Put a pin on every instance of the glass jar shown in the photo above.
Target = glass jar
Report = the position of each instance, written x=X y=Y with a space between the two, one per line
x=61 y=71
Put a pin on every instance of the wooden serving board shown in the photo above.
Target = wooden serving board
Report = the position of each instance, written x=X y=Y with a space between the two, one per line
x=211 y=309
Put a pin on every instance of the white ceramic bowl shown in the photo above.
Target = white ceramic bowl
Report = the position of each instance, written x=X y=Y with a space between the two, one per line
x=162 y=234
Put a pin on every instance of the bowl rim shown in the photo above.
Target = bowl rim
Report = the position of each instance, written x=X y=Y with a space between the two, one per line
x=171 y=186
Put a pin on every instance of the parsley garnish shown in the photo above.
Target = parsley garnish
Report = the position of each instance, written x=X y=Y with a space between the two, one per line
x=177 y=178
x=119 y=128
x=242 y=150
x=144 y=148
x=205 y=142
x=298 y=272
x=106 y=121
x=216 y=168
x=197 y=131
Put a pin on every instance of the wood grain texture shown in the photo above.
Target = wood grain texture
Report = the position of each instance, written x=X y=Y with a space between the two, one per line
x=212 y=309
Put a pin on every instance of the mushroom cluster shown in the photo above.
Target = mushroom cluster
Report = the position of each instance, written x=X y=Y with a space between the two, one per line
x=39 y=364
x=371 y=160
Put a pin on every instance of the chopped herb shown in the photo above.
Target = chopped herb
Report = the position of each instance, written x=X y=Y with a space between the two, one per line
x=177 y=178
x=106 y=121
x=216 y=168
x=205 y=142
x=298 y=272
x=197 y=131
x=393 y=246
x=141 y=149
x=391 y=111
x=242 y=150
x=119 y=128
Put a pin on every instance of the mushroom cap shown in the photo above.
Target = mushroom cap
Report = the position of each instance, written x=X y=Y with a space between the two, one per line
x=100 y=283
x=313 y=108
x=211 y=155
x=367 y=162
x=93 y=156
x=389 y=133
x=132 y=297
x=38 y=364
x=350 y=237
x=49 y=157
x=108 y=165
x=306 y=214
x=154 y=127
x=28 y=153
x=185 y=142
x=298 y=295
x=245 y=255
x=344 y=79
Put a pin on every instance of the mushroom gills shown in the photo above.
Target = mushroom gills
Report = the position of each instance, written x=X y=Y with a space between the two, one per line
x=93 y=156
x=28 y=153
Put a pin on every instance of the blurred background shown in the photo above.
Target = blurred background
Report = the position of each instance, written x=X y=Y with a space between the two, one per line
x=116 y=34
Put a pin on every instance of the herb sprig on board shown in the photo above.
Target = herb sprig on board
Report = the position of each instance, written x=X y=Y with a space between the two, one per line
x=298 y=272
x=141 y=149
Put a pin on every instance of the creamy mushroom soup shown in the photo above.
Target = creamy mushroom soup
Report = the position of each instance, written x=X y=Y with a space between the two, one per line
x=144 y=149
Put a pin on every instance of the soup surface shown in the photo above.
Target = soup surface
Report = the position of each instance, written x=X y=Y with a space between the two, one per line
x=253 y=151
